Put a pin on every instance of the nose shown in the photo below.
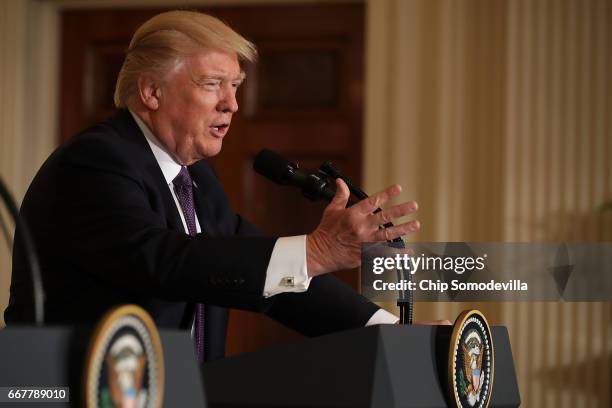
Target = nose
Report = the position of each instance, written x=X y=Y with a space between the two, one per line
x=228 y=102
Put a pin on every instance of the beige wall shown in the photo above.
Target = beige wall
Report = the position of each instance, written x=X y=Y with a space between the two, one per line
x=28 y=89
x=495 y=116
x=12 y=46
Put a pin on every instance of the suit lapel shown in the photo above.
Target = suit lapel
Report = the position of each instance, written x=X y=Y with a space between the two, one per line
x=173 y=217
x=204 y=212
x=202 y=204
x=152 y=174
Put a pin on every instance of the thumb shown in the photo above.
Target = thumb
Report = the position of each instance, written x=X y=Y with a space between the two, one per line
x=341 y=197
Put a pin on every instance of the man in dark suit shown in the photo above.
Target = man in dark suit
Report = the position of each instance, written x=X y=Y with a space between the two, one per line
x=129 y=211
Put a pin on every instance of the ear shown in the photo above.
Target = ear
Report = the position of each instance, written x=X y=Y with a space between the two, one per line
x=149 y=92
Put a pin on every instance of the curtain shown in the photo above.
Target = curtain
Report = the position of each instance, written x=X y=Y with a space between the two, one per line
x=495 y=116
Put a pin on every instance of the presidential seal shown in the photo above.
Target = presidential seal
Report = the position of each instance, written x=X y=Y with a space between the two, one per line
x=471 y=361
x=125 y=363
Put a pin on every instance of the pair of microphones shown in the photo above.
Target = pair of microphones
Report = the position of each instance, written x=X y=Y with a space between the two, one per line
x=315 y=185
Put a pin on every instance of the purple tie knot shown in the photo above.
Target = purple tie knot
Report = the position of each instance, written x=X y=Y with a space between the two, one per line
x=183 y=187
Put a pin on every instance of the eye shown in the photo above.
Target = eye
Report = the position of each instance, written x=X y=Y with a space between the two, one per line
x=209 y=83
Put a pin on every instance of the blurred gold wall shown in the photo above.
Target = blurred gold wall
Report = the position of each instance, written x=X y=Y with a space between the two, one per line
x=496 y=117
x=11 y=122
x=29 y=49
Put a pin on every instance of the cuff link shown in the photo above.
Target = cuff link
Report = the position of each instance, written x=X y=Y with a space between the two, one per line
x=288 y=281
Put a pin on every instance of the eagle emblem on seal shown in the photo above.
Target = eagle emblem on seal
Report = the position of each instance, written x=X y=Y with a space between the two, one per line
x=472 y=367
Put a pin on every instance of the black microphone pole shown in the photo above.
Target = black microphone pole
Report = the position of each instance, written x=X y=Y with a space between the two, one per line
x=29 y=250
x=405 y=300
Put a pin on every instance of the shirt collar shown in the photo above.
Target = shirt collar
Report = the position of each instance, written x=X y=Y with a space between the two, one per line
x=169 y=167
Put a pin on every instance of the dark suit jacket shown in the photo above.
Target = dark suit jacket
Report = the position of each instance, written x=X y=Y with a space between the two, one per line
x=108 y=233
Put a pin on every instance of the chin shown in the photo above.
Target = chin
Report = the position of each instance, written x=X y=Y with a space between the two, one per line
x=210 y=152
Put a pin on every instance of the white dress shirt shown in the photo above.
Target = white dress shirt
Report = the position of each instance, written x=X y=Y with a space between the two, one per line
x=287 y=270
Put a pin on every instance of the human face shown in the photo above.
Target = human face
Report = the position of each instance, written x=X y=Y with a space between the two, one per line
x=196 y=103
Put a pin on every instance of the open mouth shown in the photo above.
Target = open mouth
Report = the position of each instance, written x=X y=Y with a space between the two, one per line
x=220 y=129
x=220 y=126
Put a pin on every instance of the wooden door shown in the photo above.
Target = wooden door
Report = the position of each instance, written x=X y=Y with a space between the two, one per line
x=303 y=98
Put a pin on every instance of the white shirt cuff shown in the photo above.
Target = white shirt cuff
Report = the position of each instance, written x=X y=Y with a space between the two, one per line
x=287 y=270
x=382 y=317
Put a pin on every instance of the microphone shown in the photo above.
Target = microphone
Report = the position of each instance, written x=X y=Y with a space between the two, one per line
x=279 y=169
x=405 y=300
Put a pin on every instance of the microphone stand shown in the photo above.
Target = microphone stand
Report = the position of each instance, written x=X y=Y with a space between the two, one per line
x=27 y=244
x=315 y=186
x=405 y=300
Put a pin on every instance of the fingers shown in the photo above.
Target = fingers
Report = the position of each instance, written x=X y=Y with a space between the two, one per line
x=389 y=214
x=376 y=200
x=387 y=234
x=342 y=196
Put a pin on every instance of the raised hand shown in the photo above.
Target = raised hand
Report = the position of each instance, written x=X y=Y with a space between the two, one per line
x=336 y=243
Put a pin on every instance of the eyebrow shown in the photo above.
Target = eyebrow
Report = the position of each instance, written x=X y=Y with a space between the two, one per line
x=240 y=77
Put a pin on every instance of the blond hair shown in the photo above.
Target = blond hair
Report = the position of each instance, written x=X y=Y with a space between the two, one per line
x=166 y=38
